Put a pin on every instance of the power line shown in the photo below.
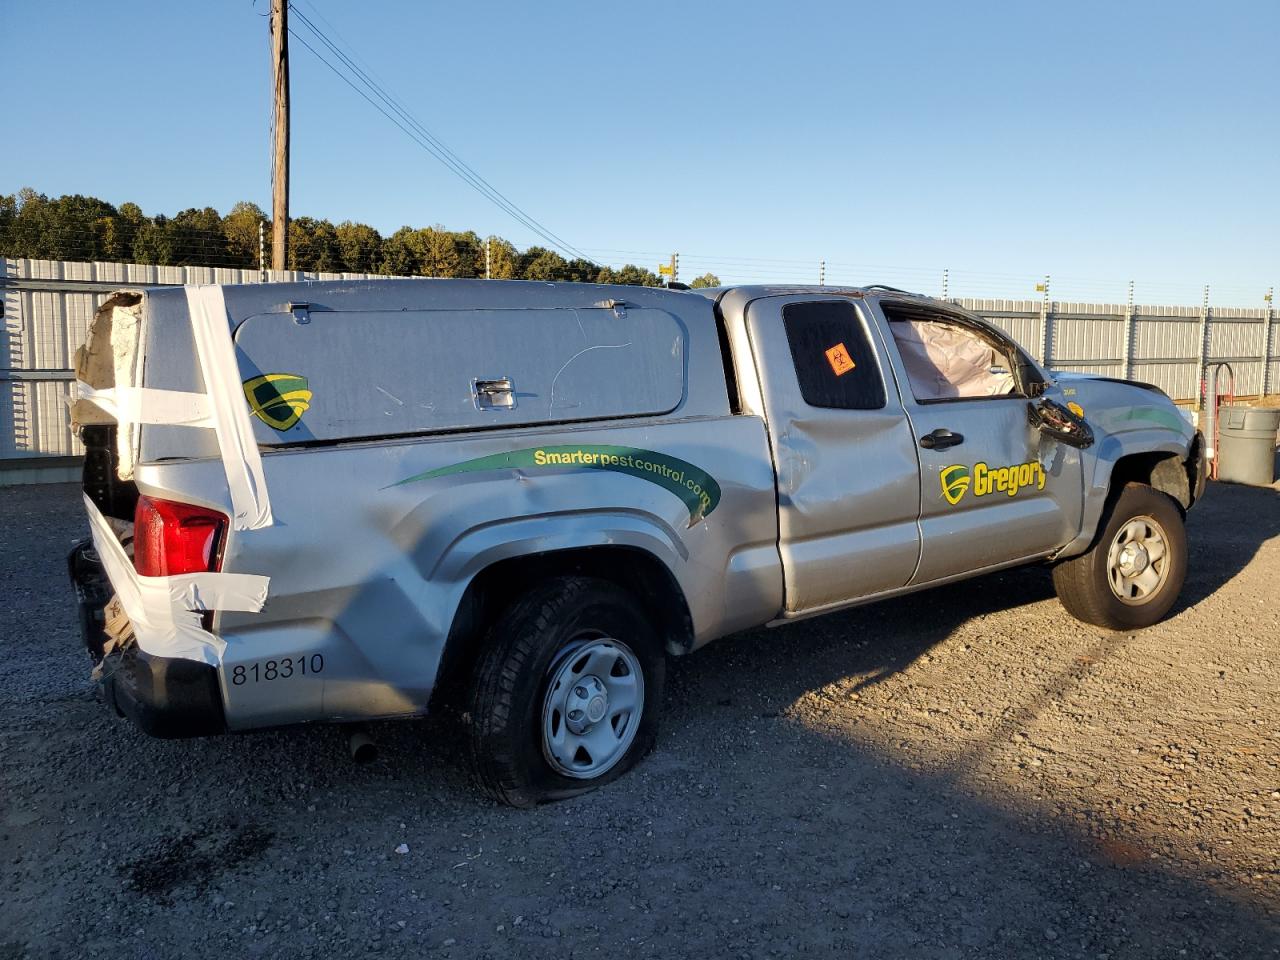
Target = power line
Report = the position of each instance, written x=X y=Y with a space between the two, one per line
x=451 y=159
x=422 y=136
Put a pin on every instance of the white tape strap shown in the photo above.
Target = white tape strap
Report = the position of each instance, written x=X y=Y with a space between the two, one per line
x=251 y=506
x=146 y=405
x=166 y=612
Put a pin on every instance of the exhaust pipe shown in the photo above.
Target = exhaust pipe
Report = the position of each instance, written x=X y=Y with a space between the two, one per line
x=362 y=747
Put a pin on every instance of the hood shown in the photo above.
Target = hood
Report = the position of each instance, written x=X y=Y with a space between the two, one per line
x=1119 y=406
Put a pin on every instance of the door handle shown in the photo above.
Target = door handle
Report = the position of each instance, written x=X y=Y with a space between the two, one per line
x=940 y=439
x=496 y=394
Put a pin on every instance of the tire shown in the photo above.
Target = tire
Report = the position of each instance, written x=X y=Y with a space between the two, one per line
x=543 y=660
x=1120 y=590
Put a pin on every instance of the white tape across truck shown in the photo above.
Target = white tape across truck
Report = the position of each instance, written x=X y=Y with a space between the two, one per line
x=144 y=405
x=240 y=456
x=167 y=612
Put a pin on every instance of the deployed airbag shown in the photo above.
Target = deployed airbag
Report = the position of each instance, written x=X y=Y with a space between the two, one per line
x=946 y=362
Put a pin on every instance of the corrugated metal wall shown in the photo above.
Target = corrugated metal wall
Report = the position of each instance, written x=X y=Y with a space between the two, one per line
x=48 y=305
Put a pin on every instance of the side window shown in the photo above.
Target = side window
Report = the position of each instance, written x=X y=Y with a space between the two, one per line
x=834 y=360
x=945 y=360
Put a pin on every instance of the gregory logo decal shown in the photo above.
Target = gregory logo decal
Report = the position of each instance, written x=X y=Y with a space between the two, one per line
x=955 y=482
x=957 y=479
x=696 y=488
x=278 y=399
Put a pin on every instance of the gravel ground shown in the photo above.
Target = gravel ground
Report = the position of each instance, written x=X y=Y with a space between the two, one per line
x=965 y=773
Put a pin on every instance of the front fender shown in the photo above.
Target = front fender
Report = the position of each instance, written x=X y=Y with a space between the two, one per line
x=1105 y=454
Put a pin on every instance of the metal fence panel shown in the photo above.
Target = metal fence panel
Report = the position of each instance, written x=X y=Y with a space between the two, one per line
x=44 y=324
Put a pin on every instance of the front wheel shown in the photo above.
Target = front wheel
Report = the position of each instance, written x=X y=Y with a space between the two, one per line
x=1133 y=573
x=567 y=692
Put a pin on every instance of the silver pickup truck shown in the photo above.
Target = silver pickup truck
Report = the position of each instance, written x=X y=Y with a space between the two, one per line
x=342 y=501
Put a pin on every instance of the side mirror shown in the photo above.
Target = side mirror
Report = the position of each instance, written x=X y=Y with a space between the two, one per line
x=1056 y=421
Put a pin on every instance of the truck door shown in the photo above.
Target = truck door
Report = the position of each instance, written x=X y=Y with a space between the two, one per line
x=848 y=477
x=992 y=490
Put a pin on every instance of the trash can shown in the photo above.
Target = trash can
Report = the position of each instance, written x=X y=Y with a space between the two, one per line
x=1247 y=444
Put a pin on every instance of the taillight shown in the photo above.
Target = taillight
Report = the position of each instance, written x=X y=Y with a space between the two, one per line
x=171 y=538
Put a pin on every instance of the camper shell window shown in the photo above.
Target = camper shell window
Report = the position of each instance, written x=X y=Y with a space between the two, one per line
x=343 y=375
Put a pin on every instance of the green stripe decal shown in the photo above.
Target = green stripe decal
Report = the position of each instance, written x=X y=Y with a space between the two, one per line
x=694 y=486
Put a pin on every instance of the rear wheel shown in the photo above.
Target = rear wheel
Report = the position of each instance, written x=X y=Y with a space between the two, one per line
x=1133 y=573
x=567 y=692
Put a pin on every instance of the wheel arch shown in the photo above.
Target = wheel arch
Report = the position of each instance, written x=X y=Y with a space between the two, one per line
x=494 y=587
x=1159 y=459
x=1163 y=471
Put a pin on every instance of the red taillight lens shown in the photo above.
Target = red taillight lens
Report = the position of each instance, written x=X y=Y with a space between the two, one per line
x=171 y=538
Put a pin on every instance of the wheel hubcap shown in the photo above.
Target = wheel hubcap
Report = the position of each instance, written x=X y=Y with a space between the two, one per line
x=1137 y=562
x=591 y=712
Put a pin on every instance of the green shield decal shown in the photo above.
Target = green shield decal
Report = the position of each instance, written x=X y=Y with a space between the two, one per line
x=697 y=489
x=278 y=399
x=955 y=482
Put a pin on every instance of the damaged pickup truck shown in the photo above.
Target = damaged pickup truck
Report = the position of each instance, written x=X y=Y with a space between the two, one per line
x=342 y=501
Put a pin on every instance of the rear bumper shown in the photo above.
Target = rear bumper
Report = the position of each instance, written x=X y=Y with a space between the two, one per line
x=164 y=696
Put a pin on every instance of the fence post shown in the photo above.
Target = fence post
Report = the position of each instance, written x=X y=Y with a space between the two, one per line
x=262 y=251
x=1266 y=344
x=1204 y=343
x=945 y=282
x=1128 y=336
x=1046 y=338
x=822 y=273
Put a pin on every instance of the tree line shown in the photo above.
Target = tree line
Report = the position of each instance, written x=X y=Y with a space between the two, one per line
x=75 y=227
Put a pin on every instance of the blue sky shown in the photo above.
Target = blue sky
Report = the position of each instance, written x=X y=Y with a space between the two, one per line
x=1097 y=142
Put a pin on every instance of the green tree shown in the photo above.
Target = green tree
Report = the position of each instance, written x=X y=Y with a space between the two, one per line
x=68 y=228
x=706 y=280
x=115 y=239
x=398 y=256
x=470 y=253
x=197 y=238
x=504 y=260
x=124 y=231
x=313 y=246
x=30 y=226
x=630 y=275
x=359 y=247
x=240 y=228
x=539 y=263
x=582 y=271
x=153 y=241
x=440 y=254
x=8 y=213
x=75 y=227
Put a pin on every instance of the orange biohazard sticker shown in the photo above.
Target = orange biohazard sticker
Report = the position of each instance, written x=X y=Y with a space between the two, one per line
x=840 y=360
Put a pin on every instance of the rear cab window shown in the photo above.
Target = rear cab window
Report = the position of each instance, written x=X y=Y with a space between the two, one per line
x=835 y=362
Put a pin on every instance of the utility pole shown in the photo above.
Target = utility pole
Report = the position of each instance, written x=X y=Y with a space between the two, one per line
x=280 y=186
